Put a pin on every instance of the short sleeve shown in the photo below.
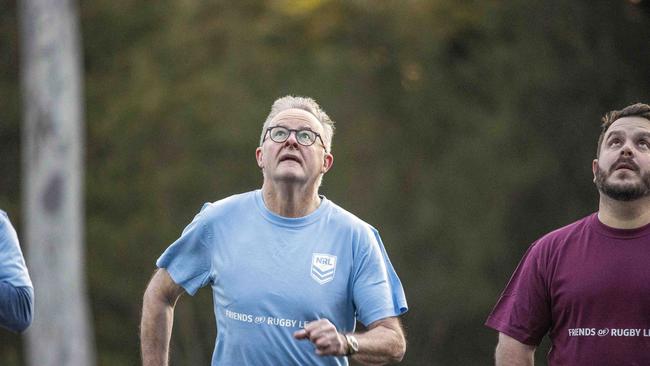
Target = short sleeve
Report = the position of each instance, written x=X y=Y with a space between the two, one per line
x=377 y=291
x=12 y=264
x=188 y=260
x=523 y=311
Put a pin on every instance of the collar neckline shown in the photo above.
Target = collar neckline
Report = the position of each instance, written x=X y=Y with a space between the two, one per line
x=290 y=221
x=616 y=232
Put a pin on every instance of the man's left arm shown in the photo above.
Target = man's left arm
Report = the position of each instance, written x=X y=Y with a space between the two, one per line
x=382 y=343
x=16 y=307
x=16 y=292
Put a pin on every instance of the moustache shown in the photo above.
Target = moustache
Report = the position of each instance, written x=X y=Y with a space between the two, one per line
x=625 y=163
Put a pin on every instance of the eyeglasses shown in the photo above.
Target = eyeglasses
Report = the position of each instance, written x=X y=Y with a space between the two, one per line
x=304 y=137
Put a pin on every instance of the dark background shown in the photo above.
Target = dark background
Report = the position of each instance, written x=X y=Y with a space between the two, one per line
x=465 y=130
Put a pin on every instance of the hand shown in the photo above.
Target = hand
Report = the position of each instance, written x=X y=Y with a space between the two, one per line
x=323 y=334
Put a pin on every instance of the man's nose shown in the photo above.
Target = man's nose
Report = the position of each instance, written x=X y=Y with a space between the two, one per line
x=626 y=150
x=292 y=140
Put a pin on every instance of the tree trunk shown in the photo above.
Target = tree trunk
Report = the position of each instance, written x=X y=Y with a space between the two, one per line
x=51 y=73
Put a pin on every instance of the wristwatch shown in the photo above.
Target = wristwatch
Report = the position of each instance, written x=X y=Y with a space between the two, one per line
x=353 y=344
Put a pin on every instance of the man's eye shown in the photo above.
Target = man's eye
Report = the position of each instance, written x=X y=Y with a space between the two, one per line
x=304 y=135
x=614 y=142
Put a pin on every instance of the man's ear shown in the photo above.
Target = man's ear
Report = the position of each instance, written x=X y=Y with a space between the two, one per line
x=259 y=157
x=594 y=168
x=328 y=161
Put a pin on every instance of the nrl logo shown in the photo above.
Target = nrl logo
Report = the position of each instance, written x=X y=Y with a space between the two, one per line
x=323 y=267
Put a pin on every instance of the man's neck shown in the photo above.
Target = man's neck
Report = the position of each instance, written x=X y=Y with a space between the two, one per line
x=290 y=200
x=624 y=214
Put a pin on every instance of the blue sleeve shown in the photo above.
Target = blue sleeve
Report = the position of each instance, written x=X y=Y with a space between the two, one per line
x=188 y=260
x=16 y=307
x=12 y=263
x=377 y=291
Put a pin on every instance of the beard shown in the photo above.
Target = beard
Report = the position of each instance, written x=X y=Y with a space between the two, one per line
x=622 y=191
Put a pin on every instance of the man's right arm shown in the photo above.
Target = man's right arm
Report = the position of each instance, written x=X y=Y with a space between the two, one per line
x=511 y=352
x=157 y=318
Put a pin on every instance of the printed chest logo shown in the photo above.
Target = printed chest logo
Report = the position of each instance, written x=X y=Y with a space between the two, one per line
x=323 y=267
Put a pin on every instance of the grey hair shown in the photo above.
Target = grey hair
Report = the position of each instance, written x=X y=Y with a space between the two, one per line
x=306 y=104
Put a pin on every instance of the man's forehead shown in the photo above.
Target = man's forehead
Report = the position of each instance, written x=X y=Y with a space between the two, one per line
x=296 y=116
x=629 y=124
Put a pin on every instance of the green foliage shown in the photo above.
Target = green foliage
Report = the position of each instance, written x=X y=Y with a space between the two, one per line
x=465 y=130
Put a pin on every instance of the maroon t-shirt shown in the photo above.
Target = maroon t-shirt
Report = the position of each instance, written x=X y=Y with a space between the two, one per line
x=588 y=286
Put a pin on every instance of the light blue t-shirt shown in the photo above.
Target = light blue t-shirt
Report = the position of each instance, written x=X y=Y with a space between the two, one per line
x=12 y=264
x=271 y=274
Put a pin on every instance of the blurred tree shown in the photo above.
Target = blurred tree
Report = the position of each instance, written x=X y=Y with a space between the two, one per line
x=52 y=154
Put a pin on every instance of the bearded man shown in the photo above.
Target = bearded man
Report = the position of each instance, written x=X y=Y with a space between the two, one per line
x=587 y=285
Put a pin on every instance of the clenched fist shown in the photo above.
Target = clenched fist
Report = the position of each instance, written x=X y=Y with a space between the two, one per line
x=323 y=334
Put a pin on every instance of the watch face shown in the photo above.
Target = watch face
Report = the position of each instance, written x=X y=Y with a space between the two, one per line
x=353 y=344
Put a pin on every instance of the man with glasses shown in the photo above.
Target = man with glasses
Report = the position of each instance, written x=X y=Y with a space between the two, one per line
x=291 y=272
x=16 y=291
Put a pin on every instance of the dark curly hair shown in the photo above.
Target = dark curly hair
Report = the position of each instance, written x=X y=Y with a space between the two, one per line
x=634 y=110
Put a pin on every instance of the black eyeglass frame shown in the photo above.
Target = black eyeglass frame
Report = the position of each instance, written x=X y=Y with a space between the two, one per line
x=290 y=130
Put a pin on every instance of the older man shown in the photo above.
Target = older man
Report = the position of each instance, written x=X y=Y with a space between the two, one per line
x=588 y=284
x=16 y=291
x=291 y=272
